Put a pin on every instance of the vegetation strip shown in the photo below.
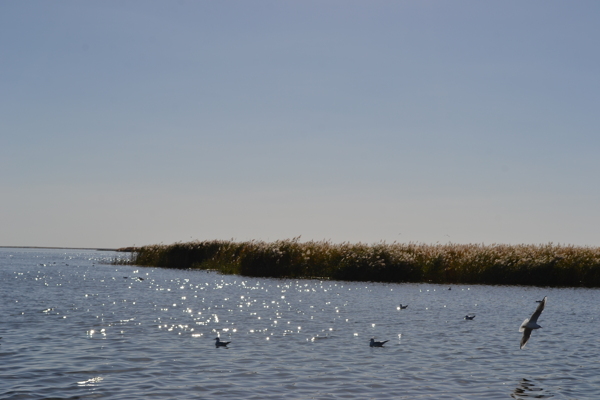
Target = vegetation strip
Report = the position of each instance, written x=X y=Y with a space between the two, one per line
x=539 y=265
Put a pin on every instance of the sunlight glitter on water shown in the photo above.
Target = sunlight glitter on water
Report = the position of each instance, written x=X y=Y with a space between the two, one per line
x=91 y=382
x=277 y=330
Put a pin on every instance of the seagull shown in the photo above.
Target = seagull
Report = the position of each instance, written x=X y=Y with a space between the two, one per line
x=403 y=307
x=470 y=317
x=531 y=323
x=377 y=344
x=218 y=343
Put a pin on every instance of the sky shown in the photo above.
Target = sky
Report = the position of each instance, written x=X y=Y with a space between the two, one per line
x=126 y=123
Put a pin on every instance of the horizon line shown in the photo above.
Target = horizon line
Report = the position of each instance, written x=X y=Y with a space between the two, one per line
x=59 y=248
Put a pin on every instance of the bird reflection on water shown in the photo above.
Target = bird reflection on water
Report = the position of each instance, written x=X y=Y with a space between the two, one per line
x=528 y=390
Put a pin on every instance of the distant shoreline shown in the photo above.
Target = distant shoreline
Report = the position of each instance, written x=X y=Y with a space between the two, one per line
x=57 y=248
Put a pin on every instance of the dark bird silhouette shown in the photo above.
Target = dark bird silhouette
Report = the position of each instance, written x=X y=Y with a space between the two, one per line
x=373 y=343
x=470 y=317
x=403 y=307
x=218 y=343
x=531 y=323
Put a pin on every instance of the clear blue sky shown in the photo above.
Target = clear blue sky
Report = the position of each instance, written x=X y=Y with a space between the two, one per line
x=141 y=122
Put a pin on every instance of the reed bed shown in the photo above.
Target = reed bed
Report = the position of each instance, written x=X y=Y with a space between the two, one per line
x=539 y=265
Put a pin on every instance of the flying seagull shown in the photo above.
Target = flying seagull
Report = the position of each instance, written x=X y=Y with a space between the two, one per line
x=403 y=307
x=218 y=343
x=377 y=344
x=470 y=317
x=531 y=323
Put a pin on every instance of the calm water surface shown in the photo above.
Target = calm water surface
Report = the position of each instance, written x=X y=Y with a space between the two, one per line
x=74 y=327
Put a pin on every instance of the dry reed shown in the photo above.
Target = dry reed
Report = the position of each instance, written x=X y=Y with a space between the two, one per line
x=541 y=265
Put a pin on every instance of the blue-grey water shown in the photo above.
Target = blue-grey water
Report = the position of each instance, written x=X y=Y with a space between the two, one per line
x=75 y=327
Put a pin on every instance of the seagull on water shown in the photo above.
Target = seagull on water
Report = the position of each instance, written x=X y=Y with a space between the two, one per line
x=373 y=343
x=531 y=323
x=470 y=317
x=218 y=343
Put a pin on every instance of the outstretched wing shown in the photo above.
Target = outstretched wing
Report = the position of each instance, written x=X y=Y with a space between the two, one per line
x=525 y=338
x=538 y=310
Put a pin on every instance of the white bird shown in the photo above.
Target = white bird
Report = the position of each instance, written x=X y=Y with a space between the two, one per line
x=377 y=344
x=218 y=343
x=531 y=323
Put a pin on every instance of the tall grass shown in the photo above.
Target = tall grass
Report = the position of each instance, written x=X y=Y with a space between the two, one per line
x=542 y=265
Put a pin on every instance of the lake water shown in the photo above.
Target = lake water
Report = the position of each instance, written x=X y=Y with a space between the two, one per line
x=74 y=327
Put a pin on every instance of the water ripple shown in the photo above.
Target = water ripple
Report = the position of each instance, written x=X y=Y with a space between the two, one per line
x=83 y=331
